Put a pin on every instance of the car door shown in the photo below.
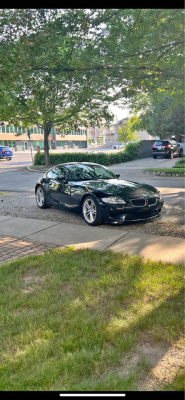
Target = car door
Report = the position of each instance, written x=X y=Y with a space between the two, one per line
x=58 y=187
x=176 y=147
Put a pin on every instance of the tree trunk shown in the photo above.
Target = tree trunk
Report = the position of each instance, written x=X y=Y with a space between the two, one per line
x=46 y=145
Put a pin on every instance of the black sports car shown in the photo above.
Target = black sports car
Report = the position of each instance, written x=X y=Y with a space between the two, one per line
x=98 y=193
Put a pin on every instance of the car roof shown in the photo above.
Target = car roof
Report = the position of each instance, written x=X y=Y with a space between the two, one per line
x=74 y=163
x=163 y=140
x=78 y=163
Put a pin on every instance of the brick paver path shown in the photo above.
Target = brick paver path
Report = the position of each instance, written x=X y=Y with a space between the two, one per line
x=11 y=248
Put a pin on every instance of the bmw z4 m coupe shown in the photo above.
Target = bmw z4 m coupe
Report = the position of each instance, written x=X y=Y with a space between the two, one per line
x=97 y=193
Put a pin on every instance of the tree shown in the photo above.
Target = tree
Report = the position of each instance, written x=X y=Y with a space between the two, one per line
x=65 y=66
x=126 y=132
x=163 y=117
x=47 y=98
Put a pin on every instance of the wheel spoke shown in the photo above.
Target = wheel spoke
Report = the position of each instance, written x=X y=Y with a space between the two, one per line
x=91 y=217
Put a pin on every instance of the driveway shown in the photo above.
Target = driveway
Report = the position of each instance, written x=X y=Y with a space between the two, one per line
x=20 y=201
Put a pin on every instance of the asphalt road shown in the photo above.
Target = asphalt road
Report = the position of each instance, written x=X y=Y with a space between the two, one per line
x=15 y=177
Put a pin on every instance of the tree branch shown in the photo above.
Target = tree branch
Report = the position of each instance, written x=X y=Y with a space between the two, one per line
x=113 y=67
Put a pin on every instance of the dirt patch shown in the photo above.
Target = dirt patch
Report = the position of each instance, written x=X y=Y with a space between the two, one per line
x=31 y=282
x=162 y=360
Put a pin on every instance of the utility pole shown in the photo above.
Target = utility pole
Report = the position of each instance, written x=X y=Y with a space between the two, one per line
x=117 y=132
x=29 y=137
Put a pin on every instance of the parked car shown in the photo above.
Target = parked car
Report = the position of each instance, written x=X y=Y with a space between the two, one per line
x=6 y=152
x=97 y=193
x=115 y=146
x=167 y=148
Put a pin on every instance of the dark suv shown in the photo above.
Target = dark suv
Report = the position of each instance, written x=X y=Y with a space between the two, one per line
x=167 y=148
x=6 y=152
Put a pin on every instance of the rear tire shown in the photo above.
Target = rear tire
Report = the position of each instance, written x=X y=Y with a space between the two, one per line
x=181 y=153
x=91 y=211
x=154 y=157
x=8 y=159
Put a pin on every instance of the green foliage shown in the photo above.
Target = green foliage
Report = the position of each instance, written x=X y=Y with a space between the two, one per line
x=129 y=154
x=180 y=163
x=126 y=131
x=62 y=67
x=161 y=116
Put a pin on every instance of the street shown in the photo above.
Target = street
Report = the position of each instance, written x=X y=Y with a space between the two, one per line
x=14 y=177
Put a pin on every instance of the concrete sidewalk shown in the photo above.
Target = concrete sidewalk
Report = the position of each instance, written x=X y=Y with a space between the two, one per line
x=23 y=236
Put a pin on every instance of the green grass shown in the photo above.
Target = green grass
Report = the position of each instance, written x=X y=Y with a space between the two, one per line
x=68 y=318
x=171 y=170
x=179 y=164
x=40 y=167
x=179 y=167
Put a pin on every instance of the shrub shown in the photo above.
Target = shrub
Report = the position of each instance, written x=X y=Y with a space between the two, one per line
x=130 y=153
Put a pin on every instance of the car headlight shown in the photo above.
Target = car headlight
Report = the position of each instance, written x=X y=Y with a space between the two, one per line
x=160 y=195
x=113 y=200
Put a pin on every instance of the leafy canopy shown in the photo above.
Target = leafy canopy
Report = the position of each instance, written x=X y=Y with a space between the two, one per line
x=64 y=66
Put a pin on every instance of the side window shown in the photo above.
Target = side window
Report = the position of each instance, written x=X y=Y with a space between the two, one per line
x=50 y=174
x=59 y=173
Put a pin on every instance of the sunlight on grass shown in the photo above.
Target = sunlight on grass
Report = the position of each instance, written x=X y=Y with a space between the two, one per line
x=70 y=316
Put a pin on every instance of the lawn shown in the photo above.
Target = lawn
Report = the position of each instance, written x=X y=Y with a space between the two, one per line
x=70 y=317
x=178 y=168
x=174 y=170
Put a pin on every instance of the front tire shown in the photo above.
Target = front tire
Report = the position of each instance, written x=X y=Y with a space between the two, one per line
x=8 y=159
x=181 y=153
x=91 y=211
x=154 y=157
x=41 y=197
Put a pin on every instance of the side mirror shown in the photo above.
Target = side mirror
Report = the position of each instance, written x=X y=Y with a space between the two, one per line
x=63 y=178
x=117 y=175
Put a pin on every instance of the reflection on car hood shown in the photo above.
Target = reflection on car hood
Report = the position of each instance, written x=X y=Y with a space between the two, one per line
x=119 y=187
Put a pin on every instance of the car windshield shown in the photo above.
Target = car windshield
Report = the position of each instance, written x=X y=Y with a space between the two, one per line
x=89 y=172
x=5 y=148
x=164 y=142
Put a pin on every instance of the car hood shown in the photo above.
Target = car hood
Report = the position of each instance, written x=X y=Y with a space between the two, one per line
x=120 y=187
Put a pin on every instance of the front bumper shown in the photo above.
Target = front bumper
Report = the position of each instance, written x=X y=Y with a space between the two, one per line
x=114 y=214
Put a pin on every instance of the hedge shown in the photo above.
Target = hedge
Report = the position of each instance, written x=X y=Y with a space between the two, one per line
x=130 y=153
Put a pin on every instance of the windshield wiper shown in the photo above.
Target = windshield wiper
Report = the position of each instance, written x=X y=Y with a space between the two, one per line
x=105 y=177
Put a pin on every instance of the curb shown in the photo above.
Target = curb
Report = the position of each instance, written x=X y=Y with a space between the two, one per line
x=172 y=174
x=33 y=170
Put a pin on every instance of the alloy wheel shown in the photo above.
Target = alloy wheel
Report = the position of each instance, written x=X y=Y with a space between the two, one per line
x=40 y=197
x=89 y=210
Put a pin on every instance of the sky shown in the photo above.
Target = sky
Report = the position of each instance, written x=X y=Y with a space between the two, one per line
x=119 y=112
